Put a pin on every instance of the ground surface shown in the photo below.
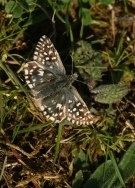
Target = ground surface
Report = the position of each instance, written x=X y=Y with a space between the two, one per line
x=98 y=38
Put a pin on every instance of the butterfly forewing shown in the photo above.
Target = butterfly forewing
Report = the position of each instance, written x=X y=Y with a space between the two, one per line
x=53 y=92
x=46 y=56
x=43 y=82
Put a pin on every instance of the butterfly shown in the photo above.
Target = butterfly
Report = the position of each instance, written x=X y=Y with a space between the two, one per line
x=56 y=97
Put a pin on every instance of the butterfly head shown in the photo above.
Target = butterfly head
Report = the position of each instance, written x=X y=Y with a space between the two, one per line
x=73 y=77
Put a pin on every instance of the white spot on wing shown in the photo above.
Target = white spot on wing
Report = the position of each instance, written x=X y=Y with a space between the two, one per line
x=45 y=112
x=50 y=52
x=39 y=59
x=60 y=113
x=42 y=108
x=26 y=71
x=34 y=80
x=31 y=71
x=78 y=104
x=59 y=106
x=45 y=53
x=73 y=121
x=47 y=116
x=44 y=37
x=53 y=58
x=77 y=113
x=36 y=53
x=41 y=73
x=26 y=65
x=35 y=57
x=69 y=101
x=41 y=39
x=47 y=58
x=81 y=110
x=28 y=81
x=30 y=85
x=69 y=119
x=52 y=118
x=57 y=121
x=77 y=122
x=55 y=115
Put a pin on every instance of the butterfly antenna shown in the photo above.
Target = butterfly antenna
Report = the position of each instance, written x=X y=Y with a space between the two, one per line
x=72 y=72
x=72 y=68
x=80 y=82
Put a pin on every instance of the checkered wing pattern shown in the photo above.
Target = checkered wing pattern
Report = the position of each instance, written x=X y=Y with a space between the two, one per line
x=52 y=88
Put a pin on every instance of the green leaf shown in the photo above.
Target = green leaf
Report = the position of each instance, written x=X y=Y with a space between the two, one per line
x=127 y=164
x=57 y=149
x=117 y=171
x=106 y=2
x=85 y=1
x=111 y=93
x=10 y=6
x=78 y=180
x=80 y=161
x=92 y=1
x=107 y=174
x=60 y=4
x=17 y=11
x=14 y=8
x=88 y=61
x=28 y=5
x=86 y=16
x=101 y=175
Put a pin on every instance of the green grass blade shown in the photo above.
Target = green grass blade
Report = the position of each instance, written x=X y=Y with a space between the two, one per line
x=57 y=148
x=117 y=171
